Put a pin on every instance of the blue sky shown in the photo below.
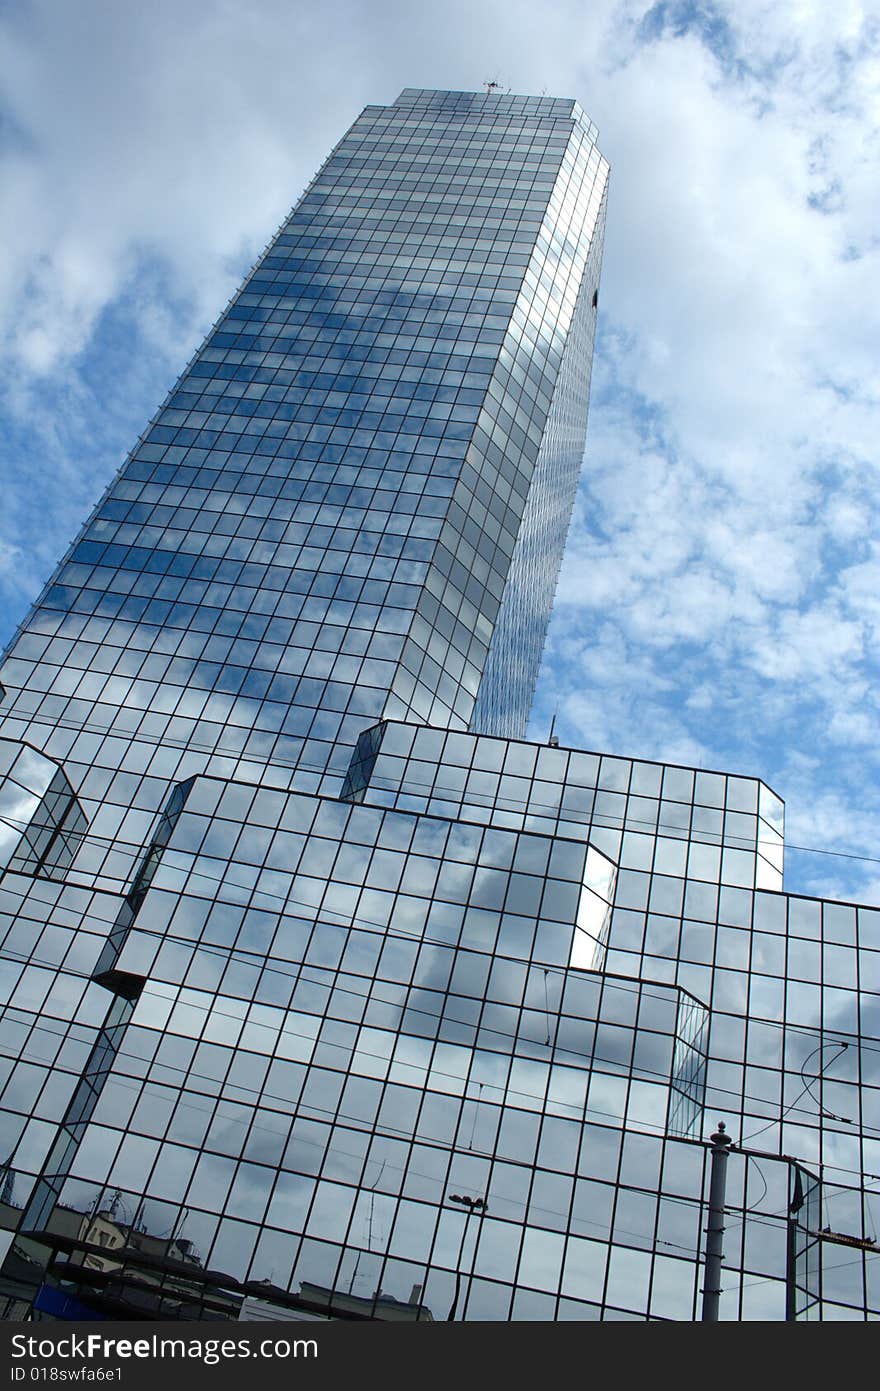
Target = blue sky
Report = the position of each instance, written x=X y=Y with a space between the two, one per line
x=720 y=599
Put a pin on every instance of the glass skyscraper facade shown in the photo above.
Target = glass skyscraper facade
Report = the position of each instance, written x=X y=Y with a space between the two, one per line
x=325 y=992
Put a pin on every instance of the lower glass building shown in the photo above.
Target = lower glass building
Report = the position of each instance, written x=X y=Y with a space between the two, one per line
x=441 y=1047
x=325 y=994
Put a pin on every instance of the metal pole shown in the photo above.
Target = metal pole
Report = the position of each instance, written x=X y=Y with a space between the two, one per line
x=791 y=1271
x=720 y=1142
x=467 y=1217
x=796 y=1202
x=470 y=1205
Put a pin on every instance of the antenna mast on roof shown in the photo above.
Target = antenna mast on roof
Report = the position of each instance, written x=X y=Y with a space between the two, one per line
x=553 y=738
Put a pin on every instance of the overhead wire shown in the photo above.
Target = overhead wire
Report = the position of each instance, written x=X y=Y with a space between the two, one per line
x=804 y=1090
x=393 y=1133
x=580 y=1059
x=603 y=820
x=214 y=949
x=348 y=920
x=250 y=889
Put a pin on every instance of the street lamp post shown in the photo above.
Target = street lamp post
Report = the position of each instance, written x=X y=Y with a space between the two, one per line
x=720 y=1142
x=470 y=1205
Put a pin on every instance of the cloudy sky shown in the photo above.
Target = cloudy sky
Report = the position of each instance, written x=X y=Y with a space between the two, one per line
x=720 y=600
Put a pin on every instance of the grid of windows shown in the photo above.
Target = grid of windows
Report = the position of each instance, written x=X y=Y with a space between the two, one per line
x=367 y=972
x=317 y=1011
x=655 y=819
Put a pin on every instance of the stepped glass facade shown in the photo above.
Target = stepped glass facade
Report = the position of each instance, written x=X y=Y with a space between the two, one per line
x=326 y=994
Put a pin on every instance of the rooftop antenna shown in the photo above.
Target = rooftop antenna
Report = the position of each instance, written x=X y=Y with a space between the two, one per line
x=552 y=738
x=137 y=1222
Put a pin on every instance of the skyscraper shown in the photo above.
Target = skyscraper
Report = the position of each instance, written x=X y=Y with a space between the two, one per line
x=327 y=992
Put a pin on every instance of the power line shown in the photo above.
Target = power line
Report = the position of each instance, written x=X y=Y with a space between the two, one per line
x=356 y=923
x=581 y=1059
x=604 y=820
x=804 y=1090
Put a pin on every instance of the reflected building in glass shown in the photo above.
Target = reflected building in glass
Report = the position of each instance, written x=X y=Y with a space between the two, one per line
x=326 y=993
